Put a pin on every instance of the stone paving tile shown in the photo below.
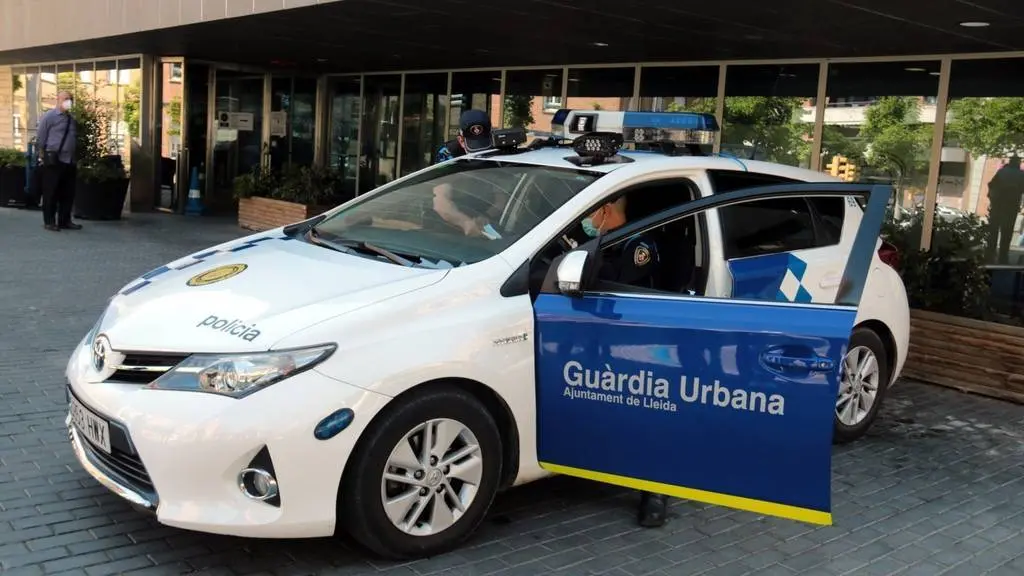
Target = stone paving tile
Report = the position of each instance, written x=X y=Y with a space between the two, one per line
x=936 y=488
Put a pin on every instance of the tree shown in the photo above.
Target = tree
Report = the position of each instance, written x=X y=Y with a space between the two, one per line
x=130 y=109
x=988 y=126
x=518 y=111
x=896 y=140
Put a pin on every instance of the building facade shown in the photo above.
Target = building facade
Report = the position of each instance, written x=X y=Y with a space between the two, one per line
x=220 y=88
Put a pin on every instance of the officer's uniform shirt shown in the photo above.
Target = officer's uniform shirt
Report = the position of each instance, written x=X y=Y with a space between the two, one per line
x=635 y=265
x=448 y=150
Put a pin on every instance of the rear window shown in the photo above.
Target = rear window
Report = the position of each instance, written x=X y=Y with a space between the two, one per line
x=777 y=225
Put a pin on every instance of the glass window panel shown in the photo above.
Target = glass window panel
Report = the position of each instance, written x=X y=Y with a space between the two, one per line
x=678 y=89
x=303 y=121
x=129 y=98
x=47 y=88
x=531 y=98
x=769 y=112
x=975 y=267
x=66 y=77
x=280 y=101
x=879 y=118
x=343 y=148
x=22 y=132
x=379 y=156
x=600 y=88
x=85 y=79
x=477 y=90
x=425 y=104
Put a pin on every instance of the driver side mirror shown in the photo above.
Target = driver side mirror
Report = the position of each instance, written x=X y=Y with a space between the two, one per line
x=570 y=273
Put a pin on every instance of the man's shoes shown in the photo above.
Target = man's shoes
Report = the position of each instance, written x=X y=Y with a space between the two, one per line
x=653 y=510
x=51 y=227
x=71 y=226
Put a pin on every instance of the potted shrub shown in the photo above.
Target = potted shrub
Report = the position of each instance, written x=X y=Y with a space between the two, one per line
x=12 y=177
x=268 y=200
x=961 y=336
x=100 y=189
x=102 y=182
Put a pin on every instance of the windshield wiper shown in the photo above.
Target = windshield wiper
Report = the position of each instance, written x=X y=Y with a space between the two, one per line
x=349 y=246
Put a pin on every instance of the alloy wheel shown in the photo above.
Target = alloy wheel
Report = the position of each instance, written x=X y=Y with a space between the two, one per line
x=431 y=477
x=858 y=386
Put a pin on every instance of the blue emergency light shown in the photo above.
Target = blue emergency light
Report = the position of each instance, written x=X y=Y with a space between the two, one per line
x=679 y=128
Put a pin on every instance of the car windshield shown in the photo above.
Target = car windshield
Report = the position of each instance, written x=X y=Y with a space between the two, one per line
x=454 y=214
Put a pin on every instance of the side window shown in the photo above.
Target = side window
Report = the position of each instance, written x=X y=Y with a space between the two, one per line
x=729 y=180
x=766 y=227
x=830 y=214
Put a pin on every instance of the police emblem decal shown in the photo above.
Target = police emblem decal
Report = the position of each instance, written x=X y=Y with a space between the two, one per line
x=476 y=130
x=100 y=349
x=218 y=274
x=642 y=256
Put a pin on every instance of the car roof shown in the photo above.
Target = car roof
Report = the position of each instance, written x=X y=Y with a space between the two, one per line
x=557 y=158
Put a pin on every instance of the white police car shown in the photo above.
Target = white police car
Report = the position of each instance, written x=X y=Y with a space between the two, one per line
x=378 y=371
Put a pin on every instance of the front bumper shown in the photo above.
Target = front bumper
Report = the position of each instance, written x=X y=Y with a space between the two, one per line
x=182 y=452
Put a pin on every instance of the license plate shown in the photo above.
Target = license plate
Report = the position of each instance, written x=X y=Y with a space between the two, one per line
x=88 y=424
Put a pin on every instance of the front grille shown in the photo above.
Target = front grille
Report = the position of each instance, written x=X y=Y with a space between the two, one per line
x=128 y=467
x=122 y=464
x=145 y=367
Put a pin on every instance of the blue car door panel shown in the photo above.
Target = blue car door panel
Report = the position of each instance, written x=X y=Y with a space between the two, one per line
x=726 y=401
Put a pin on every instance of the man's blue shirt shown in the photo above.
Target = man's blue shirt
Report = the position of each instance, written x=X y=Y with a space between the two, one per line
x=50 y=132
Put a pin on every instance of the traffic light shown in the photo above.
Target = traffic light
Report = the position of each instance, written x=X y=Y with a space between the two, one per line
x=836 y=166
x=850 y=172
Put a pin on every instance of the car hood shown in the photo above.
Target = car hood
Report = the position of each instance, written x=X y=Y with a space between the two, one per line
x=246 y=295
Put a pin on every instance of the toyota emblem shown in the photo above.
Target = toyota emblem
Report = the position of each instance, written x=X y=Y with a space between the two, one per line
x=100 y=349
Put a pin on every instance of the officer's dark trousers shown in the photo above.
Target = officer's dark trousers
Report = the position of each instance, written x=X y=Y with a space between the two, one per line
x=58 y=193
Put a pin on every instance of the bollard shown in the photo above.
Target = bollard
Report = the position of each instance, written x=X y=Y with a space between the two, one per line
x=195 y=204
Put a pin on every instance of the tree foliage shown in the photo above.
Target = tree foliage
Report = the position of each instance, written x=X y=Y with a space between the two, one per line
x=518 y=111
x=895 y=139
x=988 y=126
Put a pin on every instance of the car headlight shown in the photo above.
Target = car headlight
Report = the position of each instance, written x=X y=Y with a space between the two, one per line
x=239 y=375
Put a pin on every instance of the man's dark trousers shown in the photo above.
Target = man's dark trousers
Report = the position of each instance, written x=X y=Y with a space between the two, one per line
x=58 y=194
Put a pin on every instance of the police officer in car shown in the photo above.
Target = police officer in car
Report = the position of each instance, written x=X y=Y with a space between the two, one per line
x=635 y=266
x=472 y=208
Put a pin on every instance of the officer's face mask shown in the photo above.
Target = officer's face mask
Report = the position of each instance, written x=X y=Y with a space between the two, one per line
x=590 y=229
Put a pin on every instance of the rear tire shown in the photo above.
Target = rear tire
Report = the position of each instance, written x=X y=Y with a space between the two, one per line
x=863 y=384
x=418 y=514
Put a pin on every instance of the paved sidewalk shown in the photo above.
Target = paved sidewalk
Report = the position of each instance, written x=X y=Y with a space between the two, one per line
x=937 y=488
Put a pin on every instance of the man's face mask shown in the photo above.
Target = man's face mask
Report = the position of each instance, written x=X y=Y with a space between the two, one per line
x=590 y=229
x=66 y=105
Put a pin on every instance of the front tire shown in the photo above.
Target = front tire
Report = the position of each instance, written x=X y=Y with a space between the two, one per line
x=862 y=386
x=423 y=476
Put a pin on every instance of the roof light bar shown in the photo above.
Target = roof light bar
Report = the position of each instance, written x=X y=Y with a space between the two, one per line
x=638 y=127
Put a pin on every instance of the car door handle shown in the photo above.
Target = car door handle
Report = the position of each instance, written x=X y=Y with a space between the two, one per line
x=831 y=280
x=809 y=363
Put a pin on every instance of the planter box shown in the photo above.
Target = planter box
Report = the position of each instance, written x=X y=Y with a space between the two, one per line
x=259 y=214
x=100 y=200
x=12 y=186
x=969 y=355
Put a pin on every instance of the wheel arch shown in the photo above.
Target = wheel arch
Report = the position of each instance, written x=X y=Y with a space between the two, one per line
x=888 y=342
x=496 y=406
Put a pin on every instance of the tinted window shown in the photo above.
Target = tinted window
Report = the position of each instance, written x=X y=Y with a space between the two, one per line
x=831 y=212
x=766 y=227
x=729 y=180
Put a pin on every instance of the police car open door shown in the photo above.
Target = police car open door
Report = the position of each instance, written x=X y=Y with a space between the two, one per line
x=721 y=400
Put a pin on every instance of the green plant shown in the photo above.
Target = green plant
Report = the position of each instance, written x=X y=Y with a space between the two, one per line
x=12 y=157
x=258 y=182
x=92 y=130
x=518 y=111
x=951 y=277
x=100 y=172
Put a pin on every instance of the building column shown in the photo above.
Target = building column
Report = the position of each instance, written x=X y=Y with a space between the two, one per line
x=144 y=156
x=6 y=107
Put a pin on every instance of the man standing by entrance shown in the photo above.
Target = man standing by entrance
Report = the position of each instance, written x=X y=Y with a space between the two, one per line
x=56 y=139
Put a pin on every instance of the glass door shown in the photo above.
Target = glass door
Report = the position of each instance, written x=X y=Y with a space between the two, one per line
x=292 y=121
x=172 y=168
x=237 y=134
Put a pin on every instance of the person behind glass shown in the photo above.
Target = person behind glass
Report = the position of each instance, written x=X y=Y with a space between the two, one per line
x=466 y=209
x=56 y=138
x=634 y=266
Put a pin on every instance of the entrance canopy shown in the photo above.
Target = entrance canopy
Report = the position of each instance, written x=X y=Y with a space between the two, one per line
x=368 y=35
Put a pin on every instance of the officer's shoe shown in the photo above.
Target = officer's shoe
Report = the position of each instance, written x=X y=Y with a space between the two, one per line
x=653 y=509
